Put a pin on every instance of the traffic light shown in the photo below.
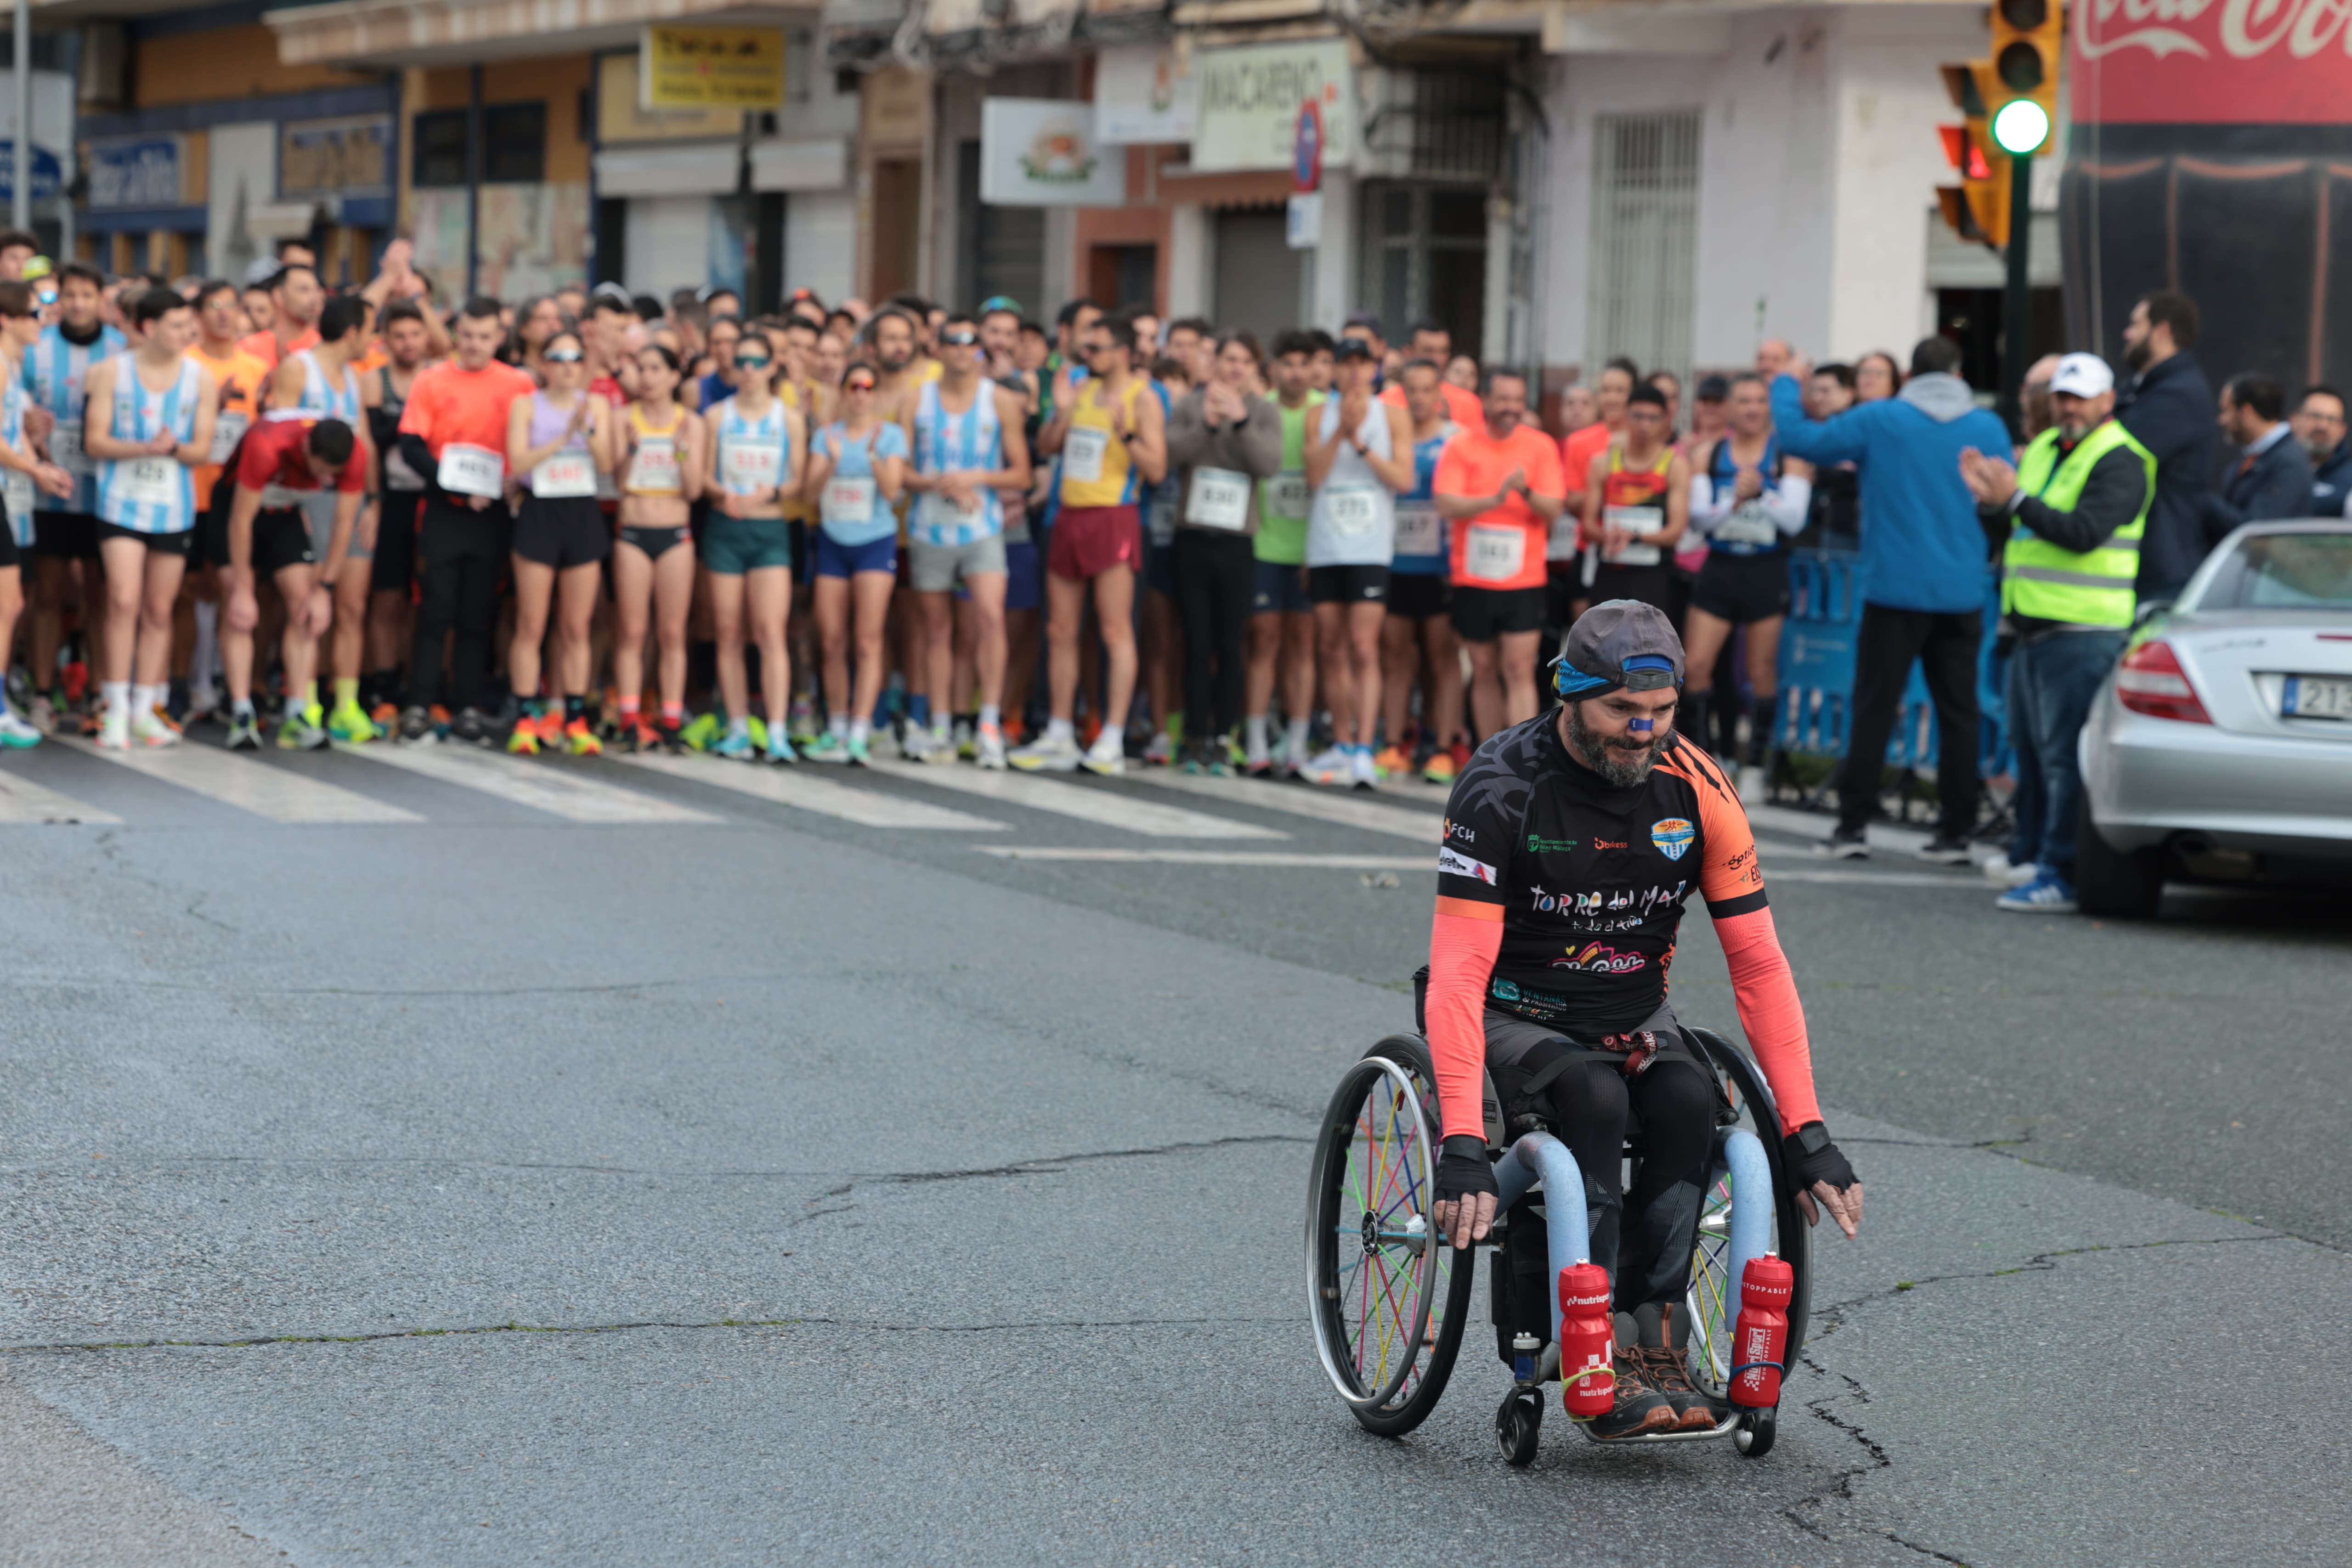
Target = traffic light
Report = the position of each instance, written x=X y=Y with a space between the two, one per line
x=2027 y=36
x=1977 y=207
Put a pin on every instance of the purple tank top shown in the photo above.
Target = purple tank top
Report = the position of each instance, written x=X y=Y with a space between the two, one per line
x=546 y=422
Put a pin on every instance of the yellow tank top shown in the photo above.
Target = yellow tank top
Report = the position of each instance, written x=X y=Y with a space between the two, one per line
x=1095 y=468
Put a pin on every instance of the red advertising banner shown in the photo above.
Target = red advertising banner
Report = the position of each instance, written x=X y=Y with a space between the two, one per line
x=2211 y=62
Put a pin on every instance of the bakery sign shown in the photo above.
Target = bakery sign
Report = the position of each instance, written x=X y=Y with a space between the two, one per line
x=2209 y=61
x=1041 y=152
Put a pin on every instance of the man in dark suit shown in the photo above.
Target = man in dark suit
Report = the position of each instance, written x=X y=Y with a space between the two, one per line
x=2272 y=477
x=2318 y=421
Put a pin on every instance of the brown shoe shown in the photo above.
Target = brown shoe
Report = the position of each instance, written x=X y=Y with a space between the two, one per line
x=1640 y=1406
x=1663 y=1331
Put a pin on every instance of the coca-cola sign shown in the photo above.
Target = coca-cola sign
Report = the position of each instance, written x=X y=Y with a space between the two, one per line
x=2242 y=62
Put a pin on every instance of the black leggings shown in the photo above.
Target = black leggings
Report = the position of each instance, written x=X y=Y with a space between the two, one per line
x=1215 y=575
x=1676 y=1106
x=463 y=561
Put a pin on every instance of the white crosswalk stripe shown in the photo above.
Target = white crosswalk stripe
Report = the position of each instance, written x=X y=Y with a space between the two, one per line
x=1111 y=808
x=543 y=786
x=801 y=789
x=1340 y=809
x=22 y=800
x=248 y=783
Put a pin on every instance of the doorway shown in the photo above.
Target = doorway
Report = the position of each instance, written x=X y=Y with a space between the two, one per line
x=897 y=226
x=1118 y=276
x=1258 y=277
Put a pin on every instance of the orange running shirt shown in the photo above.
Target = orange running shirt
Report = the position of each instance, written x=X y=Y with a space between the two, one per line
x=1501 y=548
x=241 y=380
x=263 y=345
x=450 y=403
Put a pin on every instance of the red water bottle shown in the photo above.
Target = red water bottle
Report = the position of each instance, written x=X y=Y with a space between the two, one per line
x=1759 y=1342
x=1587 y=1379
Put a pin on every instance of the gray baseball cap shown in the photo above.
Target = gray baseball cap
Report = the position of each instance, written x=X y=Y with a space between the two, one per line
x=1618 y=645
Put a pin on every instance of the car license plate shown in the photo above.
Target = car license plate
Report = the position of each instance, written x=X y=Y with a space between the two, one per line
x=2318 y=697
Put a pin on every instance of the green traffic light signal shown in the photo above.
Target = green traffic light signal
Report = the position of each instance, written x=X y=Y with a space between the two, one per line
x=2019 y=127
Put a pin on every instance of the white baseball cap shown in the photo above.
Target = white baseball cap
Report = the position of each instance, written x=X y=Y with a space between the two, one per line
x=2084 y=375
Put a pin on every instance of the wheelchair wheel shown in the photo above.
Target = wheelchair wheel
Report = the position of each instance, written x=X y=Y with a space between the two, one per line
x=1388 y=1300
x=1712 y=1301
x=1517 y=1426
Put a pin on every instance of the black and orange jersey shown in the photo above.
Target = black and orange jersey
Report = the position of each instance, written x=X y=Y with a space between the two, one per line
x=1589 y=879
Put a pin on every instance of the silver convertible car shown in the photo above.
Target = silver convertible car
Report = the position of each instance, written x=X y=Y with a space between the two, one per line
x=2221 y=747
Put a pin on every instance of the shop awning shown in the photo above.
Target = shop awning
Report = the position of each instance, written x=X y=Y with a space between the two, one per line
x=821 y=163
x=703 y=170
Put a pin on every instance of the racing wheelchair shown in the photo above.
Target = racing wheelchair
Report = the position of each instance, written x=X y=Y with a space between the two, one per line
x=1390 y=1299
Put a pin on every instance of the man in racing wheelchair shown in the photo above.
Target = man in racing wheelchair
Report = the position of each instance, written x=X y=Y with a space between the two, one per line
x=1571 y=843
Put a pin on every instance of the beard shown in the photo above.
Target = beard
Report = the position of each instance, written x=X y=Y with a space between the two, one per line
x=2136 y=355
x=1617 y=758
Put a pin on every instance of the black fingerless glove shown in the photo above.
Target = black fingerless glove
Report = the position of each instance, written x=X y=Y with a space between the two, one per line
x=1463 y=1170
x=1810 y=1158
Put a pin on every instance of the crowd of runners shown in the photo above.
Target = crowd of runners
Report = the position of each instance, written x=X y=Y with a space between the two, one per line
x=595 y=519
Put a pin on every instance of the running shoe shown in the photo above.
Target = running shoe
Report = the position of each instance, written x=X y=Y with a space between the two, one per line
x=416 y=727
x=1844 y=846
x=300 y=732
x=1046 y=754
x=471 y=724
x=1365 y=773
x=43 y=711
x=944 y=750
x=858 y=754
x=1640 y=1406
x=114 y=732
x=989 y=742
x=351 y=725
x=641 y=736
x=1161 y=752
x=386 y=716
x=1090 y=731
x=2002 y=872
x=1336 y=764
x=522 y=740
x=779 y=747
x=1106 y=757
x=1392 y=762
x=801 y=723
x=828 y=747
x=580 y=741
x=735 y=746
x=1258 y=764
x=967 y=746
x=1942 y=850
x=153 y=732
x=702 y=734
x=759 y=731
x=2047 y=894
x=17 y=735
x=244 y=733
x=94 y=721
x=918 y=745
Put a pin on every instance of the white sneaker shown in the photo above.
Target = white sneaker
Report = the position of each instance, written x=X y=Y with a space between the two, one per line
x=942 y=747
x=1161 y=752
x=1288 y=764
x=1336 y=764
x=1046 y=754
x=2001 y=874
x=15 y=734
x=149 y=730
x=1752 y=789
x=1366 y=775
x=114 y=732
x=1106 y=756
x=917 y=745
x=991 y=740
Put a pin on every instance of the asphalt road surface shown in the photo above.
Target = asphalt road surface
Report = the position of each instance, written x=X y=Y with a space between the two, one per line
x=436 y=1158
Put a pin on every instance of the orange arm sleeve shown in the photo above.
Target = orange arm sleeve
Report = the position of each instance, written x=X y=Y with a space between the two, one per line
x=1765 y=994
x=1463 y=937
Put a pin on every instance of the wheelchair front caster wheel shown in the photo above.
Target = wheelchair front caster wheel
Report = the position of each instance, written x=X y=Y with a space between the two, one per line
x=1518 y=1425
x=1754 y=1436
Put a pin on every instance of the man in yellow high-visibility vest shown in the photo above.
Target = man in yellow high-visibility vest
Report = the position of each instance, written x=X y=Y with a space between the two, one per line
x=2074 y=510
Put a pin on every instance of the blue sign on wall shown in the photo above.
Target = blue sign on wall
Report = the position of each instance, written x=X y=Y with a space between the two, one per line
x=46 y=173
x=131 y=172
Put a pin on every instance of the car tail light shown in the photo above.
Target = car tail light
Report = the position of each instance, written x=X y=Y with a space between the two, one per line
x=2151 y=681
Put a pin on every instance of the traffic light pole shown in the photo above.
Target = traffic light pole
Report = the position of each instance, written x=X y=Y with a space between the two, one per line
x=2017 y=304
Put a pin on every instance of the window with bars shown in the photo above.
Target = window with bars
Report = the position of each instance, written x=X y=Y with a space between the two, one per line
x=1644 y=238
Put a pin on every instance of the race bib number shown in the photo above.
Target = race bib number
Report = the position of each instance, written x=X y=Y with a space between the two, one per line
x=1285 y=494
x=1352 y=510
x=1639 y=521
x=849 y=500
x=564 y=475
x=17 y=492
x=1494 y=554
x=65 y=446
x=148 y=481
x=1420 y=530
x=751 y=467
x=471 y=470
x=1748 y=525
x=1220 y=500
x=1561 y=545
x=1082 y=453
x=229 y=426
x=655 y=471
